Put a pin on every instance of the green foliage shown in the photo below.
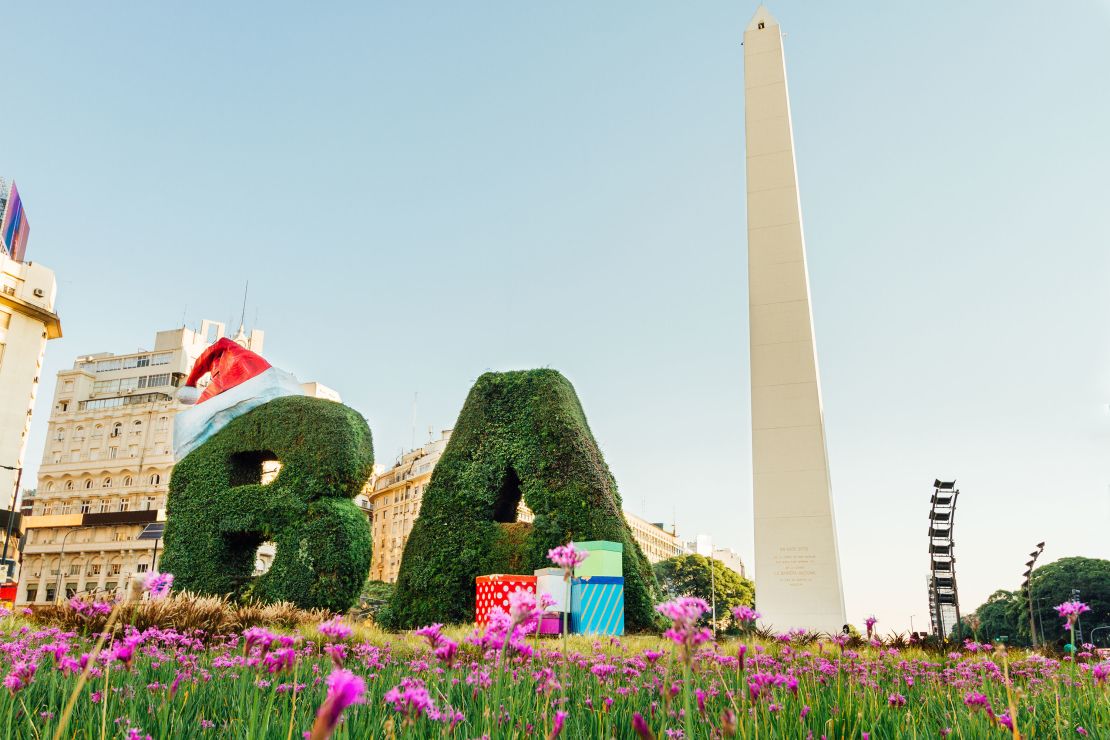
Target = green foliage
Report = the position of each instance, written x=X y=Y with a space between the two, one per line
x=1002 y=616
x=1052 y=584
x=1006 y=613
x=689 y=575
x=218 y=513
x=519 y=435
x=375 y=598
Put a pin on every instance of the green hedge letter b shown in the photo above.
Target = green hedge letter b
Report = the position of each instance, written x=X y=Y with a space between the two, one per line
x=219 y=511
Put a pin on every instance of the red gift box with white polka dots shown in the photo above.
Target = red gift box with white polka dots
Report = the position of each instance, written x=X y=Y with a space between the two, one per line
x=494 y=590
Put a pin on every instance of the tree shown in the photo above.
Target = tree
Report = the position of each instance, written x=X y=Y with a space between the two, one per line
x=1053 y=583
x=1000 y=617
x=689 y=575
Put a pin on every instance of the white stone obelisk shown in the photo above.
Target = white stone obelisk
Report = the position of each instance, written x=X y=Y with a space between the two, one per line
x=797 y=566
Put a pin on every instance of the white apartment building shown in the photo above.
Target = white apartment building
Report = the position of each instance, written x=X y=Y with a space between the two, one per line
x=656 y=542
x=106 y=466
x=27 y=322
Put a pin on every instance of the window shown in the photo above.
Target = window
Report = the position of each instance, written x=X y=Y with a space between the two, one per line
x=163 y=422
x=60 y=435
x=127 y=481
x=75 y=569
x=161 y=359
x=111 y=403
x=117 y=429
x=104 y=366
x=112 y=452
x=88 y=483
x=106 y=483
x=141 y=568
x=153 y=381
x=5 y=319
x=105 y=386
x=94 y=569
x=49 y=594
x=155 y=479
x=150 y=502
x=126 y=385
x=114 y=570
x=122 y=537
x=69 y=485
x=32 y=594
x=124 y=504
x=79 y=434
x=133 y=362
x=63 y=406
x=49 y=487
x=85 y=507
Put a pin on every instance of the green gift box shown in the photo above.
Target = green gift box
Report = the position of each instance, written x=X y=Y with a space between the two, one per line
x=605 y=559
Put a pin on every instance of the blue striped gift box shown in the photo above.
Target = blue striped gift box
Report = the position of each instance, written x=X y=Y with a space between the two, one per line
x=597 y=605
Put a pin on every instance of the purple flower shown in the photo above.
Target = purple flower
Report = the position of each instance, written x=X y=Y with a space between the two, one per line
x=137 y=734
x=21 y=675
x=557 y=726
x=684 y=613
x=335 y=629
x=158 y=584
x=567 y=557
x=344 y=689
x=745 y=614
x=446 y=650
x=280 y=660
x=257 y=636
x=896 y=700
x=410 y=698
x=640 y=727
x=1070 y=611
x=523 y=610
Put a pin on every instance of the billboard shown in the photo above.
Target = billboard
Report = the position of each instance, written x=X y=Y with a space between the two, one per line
x=14 y=229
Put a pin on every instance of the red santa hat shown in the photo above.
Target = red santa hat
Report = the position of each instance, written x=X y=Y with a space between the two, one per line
x=229 y=365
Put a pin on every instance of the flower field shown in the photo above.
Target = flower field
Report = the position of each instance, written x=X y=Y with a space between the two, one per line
x=503 y=682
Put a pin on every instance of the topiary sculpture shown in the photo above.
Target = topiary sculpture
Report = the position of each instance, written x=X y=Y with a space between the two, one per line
x=520 y=436
x=218 y=511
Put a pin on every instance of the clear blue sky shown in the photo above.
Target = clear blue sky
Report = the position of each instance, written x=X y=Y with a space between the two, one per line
x=420 y=192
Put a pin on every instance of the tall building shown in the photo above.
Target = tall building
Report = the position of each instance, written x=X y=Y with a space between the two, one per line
x=27 y=322
x=657 y=543
x=106 y=466
x=797 y=565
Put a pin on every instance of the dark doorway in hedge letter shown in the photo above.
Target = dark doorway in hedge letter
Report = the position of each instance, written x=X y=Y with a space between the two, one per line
x=218 y=511
x=520 y=435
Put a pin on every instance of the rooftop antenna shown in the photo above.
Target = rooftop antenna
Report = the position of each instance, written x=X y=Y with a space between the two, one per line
x=243 y=315
x=183 y=314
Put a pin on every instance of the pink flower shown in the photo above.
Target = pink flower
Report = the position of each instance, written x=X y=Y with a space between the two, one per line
x=335 y=629
x=745 y=614
x=567 y=557
x=523 y=610
x=557 y=726
x=280 y=660
x=684 y=613
x=158 y=584
x=20 y=677
x=344 y=689
x=137 y=734
x=446 y=650
x=640 y=727
x=896 y=700
x=1070 y=611
x=411 y=698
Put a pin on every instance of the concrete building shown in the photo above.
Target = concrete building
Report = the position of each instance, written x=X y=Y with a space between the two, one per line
x=27 y=322
x=796 y=558
x=656 y=542
x=106 y=466
x=730 y=559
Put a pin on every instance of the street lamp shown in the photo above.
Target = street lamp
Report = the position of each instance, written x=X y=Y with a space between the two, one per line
x=1027 y=586
x=61 y=562
x=11 y=507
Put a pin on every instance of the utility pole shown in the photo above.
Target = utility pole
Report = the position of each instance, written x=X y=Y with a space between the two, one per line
x=1027 y=586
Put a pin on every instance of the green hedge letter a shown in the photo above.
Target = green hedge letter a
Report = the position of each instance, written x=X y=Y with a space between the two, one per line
x=521 y=438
